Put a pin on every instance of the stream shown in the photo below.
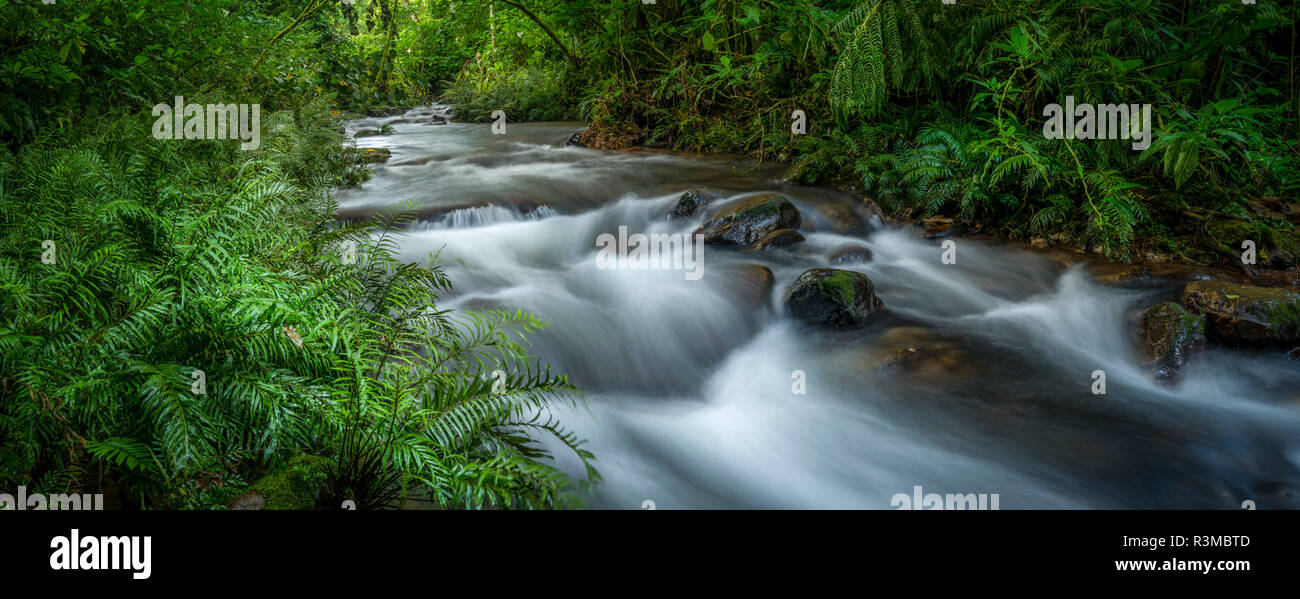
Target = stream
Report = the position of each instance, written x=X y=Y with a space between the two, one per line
x=977 y=378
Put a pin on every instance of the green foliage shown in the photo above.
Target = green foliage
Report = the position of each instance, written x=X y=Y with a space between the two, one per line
x=887 y=46
x=1217 y=141
x=177 y=257
x=298 y=485
x=525 y=93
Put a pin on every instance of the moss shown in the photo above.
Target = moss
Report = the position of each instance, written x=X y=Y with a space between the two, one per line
x=1193 y=324
x=296 y=485
x=758 y=206
x=771 y=206
x=838 y=284
x=1285 y=316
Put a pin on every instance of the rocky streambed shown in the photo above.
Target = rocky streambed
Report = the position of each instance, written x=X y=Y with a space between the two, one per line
x=824 y=359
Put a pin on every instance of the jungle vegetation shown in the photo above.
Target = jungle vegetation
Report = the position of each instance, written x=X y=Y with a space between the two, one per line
x=177 y=257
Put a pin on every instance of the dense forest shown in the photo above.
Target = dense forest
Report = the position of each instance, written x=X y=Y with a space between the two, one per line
x=183 y=322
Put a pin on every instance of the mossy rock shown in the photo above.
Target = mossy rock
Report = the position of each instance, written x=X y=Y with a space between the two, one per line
x=1245 y=314
x=750 y=220
x=833 y=297
x=297 y=485
x=365 y=133
x=1169 y=334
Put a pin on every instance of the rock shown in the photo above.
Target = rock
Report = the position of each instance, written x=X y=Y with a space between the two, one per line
x=527 y=206
x=365 y=133
x=750 y=219
x=778 y=239
x=850 y=253
x=377 y=154
x=753 y=285
x=829 y=296
x=907 y=353
x=919 y=353
x=575 y=139
x=619 y=135
x=1038 y=243
x=299 y=485
x=843 y=220
x=1245 y=314
x=1120 y=274
x=875 y=216
x=1294 y=354
x=1169 y=335
x=690 y=203
x=938 y=227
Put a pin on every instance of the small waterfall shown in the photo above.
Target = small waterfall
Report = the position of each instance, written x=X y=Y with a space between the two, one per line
x=479 y=216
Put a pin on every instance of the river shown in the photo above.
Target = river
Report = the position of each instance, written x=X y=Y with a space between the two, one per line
x=978 y=378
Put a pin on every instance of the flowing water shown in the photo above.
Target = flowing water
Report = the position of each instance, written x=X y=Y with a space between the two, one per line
x=978 y=379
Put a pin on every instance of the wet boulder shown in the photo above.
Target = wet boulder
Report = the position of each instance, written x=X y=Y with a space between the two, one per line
x=778 y=239
x=1245 y=314
x=749 y=220
x=689 y=204
x=365 y=133
x=850 y=253
x=1168 y=335
x=833 y=297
